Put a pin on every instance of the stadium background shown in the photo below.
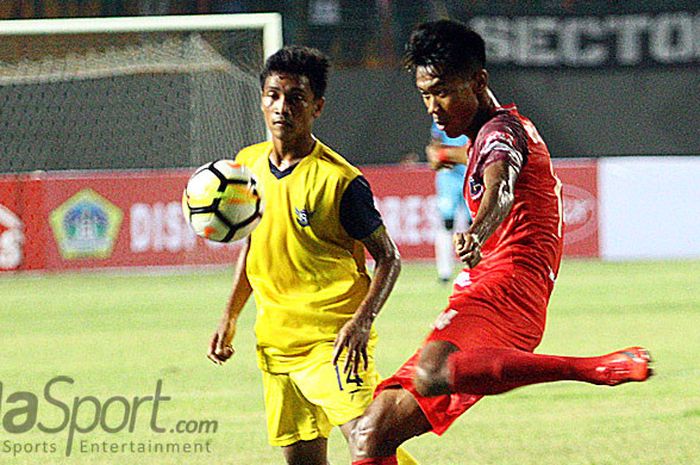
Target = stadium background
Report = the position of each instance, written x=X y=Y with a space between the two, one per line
x=604 y=85
x=624 y=52
x=613 y=89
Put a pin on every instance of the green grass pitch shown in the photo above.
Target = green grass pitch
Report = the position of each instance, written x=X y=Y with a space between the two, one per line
x=117 y=335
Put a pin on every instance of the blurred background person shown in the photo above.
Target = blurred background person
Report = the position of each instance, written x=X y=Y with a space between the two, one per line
x=444 y=154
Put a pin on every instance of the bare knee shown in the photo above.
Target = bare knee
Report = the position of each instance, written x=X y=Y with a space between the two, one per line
x=391 y=419
x=431 y=380
x=369 y=434
x=430 y=383
x=432 y=376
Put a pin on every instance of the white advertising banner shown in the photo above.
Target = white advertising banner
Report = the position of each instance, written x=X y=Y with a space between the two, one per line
x=649 y=207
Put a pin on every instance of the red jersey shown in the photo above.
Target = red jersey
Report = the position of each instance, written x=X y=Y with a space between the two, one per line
x=502 y=302
x=531 y=235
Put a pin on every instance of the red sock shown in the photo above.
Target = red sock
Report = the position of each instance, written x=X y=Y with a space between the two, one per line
x=391 y=460
x=497 y=370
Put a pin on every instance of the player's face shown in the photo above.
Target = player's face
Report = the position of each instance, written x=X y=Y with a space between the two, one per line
x=289 y=106
x=450 y=100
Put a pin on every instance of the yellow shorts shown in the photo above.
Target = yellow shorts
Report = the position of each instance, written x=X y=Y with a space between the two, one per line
x=305 y=403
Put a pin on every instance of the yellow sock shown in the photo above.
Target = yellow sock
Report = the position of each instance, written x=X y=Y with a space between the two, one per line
x=404 y=458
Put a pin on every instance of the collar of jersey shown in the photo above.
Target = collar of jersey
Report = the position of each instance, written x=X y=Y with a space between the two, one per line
x=507 y=108
x=279 y=174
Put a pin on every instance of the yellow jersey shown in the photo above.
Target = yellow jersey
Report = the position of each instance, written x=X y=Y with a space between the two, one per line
x=307 y=273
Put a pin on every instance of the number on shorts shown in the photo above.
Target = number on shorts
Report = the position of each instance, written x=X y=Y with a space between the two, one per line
x=354 y=379
x=351 y=378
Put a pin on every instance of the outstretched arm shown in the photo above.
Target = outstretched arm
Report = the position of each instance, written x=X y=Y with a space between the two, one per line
x=445 y=156
x=355 y=333
x=499 y=185
x=220 y=348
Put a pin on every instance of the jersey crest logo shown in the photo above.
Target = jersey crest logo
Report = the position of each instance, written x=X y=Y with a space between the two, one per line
x=475 y=188
x=303 y=216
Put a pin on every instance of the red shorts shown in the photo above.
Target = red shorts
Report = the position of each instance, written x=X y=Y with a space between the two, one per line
x=501 y=310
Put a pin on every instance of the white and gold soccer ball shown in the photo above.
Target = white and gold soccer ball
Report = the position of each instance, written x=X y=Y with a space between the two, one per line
x=222 y=201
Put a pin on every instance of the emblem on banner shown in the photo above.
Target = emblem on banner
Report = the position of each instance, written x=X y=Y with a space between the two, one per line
x=86 y=226
x=11 y=239
x=579 y=213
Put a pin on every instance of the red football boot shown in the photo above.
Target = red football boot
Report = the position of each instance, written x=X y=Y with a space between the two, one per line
x=624 y=366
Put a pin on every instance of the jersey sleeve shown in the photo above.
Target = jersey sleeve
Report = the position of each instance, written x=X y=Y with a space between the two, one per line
x=504 y=140
x=358 y=214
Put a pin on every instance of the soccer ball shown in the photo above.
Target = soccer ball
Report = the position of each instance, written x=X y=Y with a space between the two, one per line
x=222 y=201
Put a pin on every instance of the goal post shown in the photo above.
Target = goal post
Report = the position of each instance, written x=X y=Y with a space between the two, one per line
x=131 y=92
x=270 y=23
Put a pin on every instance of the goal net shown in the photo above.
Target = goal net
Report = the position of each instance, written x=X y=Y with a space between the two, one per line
x=139 y=92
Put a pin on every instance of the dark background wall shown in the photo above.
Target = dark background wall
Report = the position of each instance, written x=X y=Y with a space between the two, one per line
x=371 y=116
x=375 y=116
x=639 y=97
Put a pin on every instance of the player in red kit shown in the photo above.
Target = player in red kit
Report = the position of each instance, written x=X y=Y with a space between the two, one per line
x=483 y=342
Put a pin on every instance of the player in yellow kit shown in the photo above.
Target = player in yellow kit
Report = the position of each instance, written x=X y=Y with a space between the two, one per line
x=305 y=265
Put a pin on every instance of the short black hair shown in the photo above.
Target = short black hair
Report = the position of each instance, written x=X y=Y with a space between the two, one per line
x=446 y=47
x=300 y=61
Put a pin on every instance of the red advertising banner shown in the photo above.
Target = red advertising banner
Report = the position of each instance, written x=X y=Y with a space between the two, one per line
x=102 y=219
x=405 y=196
x=580 y=198
x=64 y=221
